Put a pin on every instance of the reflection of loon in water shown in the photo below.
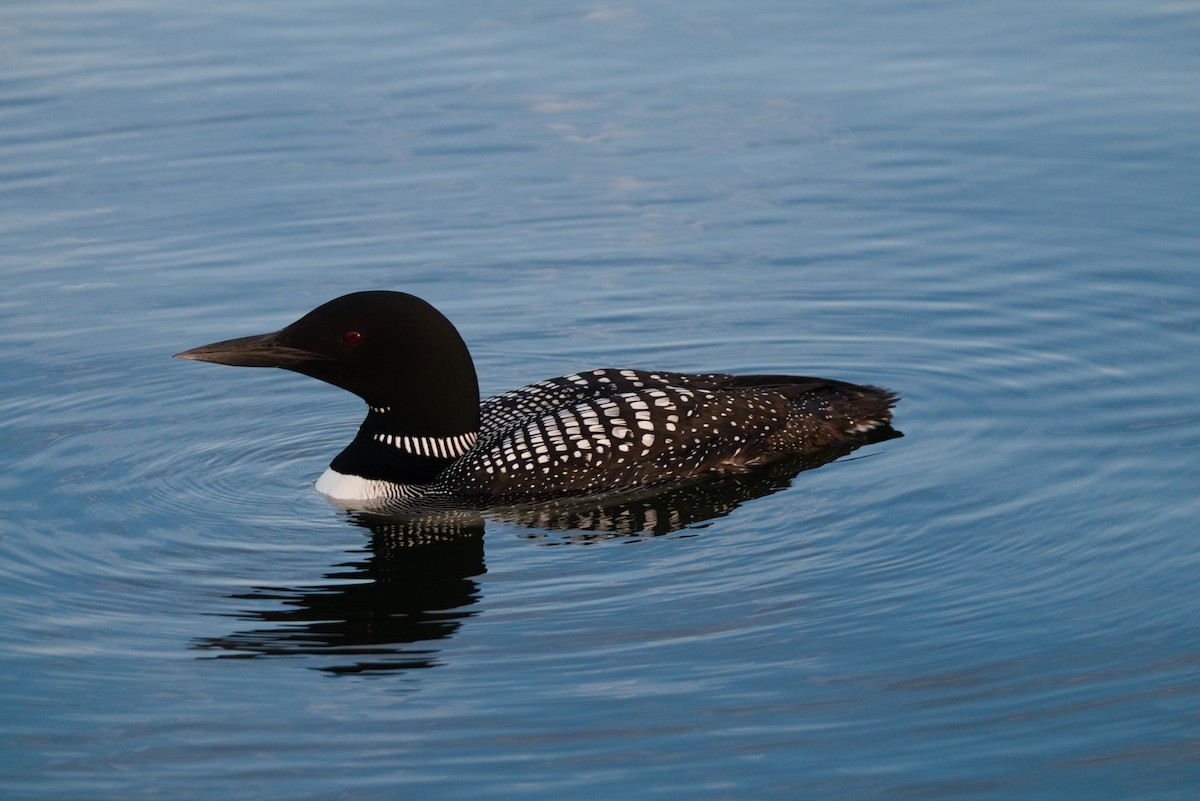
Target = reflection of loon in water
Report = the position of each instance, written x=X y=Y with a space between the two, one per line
x=393 y=603
x=417 y=584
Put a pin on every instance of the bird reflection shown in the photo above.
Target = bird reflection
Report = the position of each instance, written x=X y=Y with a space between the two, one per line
x=382 y=612
x=416 y=584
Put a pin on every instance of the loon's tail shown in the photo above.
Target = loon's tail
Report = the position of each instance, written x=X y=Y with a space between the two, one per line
x=825 y=410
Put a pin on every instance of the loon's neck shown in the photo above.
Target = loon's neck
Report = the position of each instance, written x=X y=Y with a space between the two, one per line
x=392 y=446
x=422 y=414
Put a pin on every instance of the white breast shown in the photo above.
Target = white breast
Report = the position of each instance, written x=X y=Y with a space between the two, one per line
x=339 y=487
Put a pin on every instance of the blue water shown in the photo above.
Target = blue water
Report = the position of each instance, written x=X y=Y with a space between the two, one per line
x=991 y=208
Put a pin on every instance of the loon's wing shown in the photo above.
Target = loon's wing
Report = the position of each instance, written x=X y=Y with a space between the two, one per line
x=591 y=433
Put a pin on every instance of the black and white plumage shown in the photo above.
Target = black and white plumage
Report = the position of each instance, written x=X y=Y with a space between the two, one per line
x=426 y=435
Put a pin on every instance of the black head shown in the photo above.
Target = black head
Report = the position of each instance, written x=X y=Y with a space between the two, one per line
x=391 y=349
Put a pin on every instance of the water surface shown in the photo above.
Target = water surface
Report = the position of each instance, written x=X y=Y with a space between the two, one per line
x=991 y=209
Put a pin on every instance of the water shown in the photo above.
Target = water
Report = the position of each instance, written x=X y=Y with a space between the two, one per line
x=990 y=208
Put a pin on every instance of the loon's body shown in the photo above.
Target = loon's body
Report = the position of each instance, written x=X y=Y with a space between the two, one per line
x=426 y=435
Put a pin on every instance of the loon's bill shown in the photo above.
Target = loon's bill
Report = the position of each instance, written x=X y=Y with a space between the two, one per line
x=427 y=436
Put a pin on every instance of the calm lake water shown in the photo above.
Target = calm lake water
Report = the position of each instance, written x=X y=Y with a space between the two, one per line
x=992 y=208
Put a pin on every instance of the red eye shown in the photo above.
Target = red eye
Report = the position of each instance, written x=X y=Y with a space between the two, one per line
x=352 y=337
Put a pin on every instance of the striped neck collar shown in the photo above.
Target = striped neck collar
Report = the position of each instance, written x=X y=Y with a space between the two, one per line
x=450 y=447
x=382 y=421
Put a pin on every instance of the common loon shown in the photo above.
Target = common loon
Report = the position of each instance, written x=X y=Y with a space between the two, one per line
x=427 y=436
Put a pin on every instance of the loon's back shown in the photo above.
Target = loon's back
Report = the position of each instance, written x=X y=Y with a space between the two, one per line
x=613 y=429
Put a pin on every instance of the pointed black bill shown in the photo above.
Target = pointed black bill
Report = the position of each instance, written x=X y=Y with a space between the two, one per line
x=260 y=350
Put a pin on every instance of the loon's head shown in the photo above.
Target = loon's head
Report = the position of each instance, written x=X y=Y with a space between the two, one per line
x=393 y=350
